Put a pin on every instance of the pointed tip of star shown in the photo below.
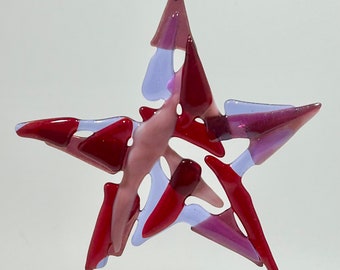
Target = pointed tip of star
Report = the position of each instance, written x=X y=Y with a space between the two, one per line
x=305 y=113
x=317 y=106
x=195 y=95
x=19 y=126
x=56 y=131
x=174 y=13
x=292 y=119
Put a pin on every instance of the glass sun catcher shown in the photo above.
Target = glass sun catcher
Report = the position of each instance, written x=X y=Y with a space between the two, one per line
x=267 y=127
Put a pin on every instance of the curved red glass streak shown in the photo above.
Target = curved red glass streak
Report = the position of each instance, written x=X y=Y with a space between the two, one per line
x=101 y=243
x=109 y=146
x=182 y=183
x=241 y=203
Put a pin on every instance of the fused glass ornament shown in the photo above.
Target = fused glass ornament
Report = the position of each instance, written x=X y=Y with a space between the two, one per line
x=109 y=148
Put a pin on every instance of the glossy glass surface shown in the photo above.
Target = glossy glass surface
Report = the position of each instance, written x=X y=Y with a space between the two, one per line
x=136 y=148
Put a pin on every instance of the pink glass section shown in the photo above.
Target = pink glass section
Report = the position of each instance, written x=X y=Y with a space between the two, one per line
x=105 y=149
x=101 y=243
x=174 y=8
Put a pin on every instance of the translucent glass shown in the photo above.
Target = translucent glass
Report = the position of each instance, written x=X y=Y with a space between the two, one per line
x=135 y=148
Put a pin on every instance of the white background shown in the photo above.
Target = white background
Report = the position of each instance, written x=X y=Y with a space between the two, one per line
x=87 y=59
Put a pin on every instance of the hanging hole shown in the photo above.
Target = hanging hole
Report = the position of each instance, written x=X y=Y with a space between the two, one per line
x=83 y=133
x=199 y=120
x=165 y=167
x=179 y=56
x=130 y=142
x=144 y=190
x=240 y=225
x=179 y=109
x=235 y=148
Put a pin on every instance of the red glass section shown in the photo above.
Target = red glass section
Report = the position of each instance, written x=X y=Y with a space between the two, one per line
x=101 y=238
x=241 y=203
x=54 y=131
x=196 y=133
x=109 y=145
x=174 y=8
x=218 y=128
x=195 y=97
x=183 y=182
x=147 y=112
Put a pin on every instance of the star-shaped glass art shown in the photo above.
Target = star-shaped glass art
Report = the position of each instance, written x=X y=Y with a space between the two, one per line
x=136 y=147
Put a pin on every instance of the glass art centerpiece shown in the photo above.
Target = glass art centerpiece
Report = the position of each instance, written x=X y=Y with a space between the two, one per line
x=136 y=147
